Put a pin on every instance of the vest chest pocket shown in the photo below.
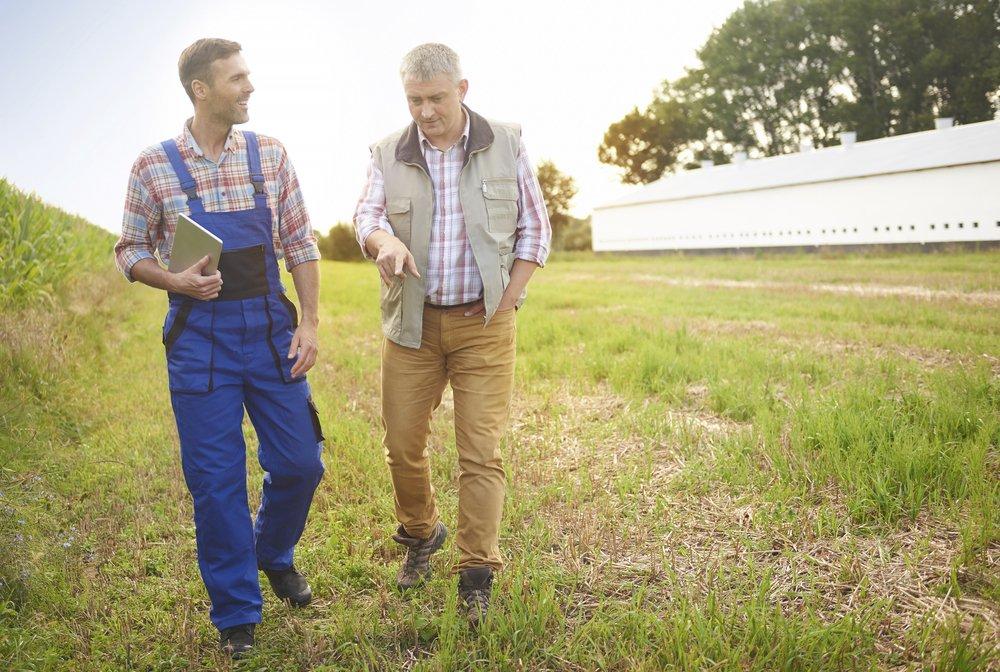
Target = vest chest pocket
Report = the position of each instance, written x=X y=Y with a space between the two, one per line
x=500 y=195
x=398 y=211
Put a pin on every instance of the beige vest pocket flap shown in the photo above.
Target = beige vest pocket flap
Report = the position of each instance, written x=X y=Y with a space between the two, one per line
x=398 y=206
x=500 y=188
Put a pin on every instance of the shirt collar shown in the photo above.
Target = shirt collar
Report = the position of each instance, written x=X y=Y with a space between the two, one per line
x=464 y=139
x=190 y=142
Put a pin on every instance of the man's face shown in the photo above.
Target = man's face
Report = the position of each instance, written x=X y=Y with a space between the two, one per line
x=226 y=96
x=436 y=106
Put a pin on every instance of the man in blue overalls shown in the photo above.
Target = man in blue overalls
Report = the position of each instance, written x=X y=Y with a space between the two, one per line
x=232 y=338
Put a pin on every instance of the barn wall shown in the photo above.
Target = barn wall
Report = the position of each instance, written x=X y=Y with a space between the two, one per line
x=960 y=204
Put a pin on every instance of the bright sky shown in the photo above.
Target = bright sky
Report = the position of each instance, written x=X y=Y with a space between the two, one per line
x=86 y=85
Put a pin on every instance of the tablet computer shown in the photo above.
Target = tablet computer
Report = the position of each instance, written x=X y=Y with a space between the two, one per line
x=192 y=241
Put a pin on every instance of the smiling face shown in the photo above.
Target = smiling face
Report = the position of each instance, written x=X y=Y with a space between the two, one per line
x=436 y=106
x=225 y=97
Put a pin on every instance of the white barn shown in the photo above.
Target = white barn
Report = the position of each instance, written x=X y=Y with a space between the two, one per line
x=930 y=187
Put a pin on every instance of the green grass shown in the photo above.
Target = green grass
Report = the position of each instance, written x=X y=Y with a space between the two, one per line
x=702 y=477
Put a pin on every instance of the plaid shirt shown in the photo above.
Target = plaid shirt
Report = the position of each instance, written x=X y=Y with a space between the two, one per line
x=154 y=198
x=452 y=276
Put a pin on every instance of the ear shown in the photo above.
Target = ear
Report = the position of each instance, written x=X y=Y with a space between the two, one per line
x=199 y=89
x=463 y=88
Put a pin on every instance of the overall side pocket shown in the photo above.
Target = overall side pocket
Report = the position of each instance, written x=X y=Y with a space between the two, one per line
x=314 y=414
x=188 y=345
x=293 y=313
x=279 y=339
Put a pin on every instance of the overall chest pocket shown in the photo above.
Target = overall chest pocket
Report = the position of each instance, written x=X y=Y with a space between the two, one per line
x=500 y=195
x=188 y=340
x=399 y=212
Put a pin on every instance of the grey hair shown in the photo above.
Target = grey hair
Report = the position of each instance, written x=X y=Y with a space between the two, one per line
x=427 y=61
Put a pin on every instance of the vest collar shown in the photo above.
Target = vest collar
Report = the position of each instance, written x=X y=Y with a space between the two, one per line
x=408 y=148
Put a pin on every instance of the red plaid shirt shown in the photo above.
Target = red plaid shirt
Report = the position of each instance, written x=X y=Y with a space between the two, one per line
x=452 y=276
x=154 y=198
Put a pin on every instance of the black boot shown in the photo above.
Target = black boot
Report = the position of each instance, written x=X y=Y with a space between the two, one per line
x=290 y=586
x=475 y=586
x=237 y=640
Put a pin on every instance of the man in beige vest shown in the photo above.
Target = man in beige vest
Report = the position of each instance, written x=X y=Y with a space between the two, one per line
x=453 y=217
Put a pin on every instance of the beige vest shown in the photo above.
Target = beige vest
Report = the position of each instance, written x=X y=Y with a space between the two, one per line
x=488 y=194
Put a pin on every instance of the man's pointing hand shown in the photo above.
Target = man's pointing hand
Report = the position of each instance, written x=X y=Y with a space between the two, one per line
x=393 y=259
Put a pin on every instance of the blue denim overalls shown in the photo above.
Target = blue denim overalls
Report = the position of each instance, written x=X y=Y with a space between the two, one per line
x=224 y=355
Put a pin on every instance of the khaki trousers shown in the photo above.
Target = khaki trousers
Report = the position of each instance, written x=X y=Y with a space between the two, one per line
x=478 y=361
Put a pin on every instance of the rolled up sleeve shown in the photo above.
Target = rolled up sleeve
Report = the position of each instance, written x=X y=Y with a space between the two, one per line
x=139 y=223
x=298 y=242
x=369 y=215
x=534 y=232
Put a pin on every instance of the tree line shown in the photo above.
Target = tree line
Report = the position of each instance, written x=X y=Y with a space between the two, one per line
x=780 y=72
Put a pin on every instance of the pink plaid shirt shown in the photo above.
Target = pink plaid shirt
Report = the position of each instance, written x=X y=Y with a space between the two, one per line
x=452 y=276
x=154 y=198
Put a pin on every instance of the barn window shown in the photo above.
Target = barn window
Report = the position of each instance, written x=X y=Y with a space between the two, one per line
x=887 y=228
x=845 y=229
x=855 y=229
x=975 y=225
x=947 y=226
x=912 y=227
x=899 y=228
x=961 y=225
x=932 y=227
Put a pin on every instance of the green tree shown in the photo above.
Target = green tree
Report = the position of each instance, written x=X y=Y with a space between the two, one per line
x=340 y=244
x=781 y=71
x=558 y=190
x=576 y=236
x=648 y=143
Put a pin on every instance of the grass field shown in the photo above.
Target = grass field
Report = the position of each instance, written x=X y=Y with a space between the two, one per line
x=715 y=463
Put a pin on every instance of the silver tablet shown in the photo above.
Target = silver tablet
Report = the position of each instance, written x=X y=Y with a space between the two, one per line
x=192 y=241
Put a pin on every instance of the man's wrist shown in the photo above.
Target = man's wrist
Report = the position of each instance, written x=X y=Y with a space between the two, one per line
x=170 y=282
x=309 y=320
x=379 y=238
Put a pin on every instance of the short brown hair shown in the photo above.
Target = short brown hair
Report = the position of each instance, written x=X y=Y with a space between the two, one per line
x=195 y=61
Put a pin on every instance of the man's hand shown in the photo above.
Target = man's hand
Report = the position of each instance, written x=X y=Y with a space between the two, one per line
x=520 y=273
x=191 y=282
x=393 y=258
x=306 y=345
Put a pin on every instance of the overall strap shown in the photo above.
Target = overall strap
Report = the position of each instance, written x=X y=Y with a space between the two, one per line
x=256 y=173
x=188 y=185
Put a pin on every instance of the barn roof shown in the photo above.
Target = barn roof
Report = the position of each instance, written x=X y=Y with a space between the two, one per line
x=958 y=145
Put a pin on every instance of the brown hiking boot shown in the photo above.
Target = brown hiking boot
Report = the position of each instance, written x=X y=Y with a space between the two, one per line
x=416 y=565
x=475 y=585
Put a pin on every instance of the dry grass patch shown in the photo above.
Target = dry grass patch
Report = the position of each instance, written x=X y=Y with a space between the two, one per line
x=985 y=298
x=927 y=358
x=665 y=539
